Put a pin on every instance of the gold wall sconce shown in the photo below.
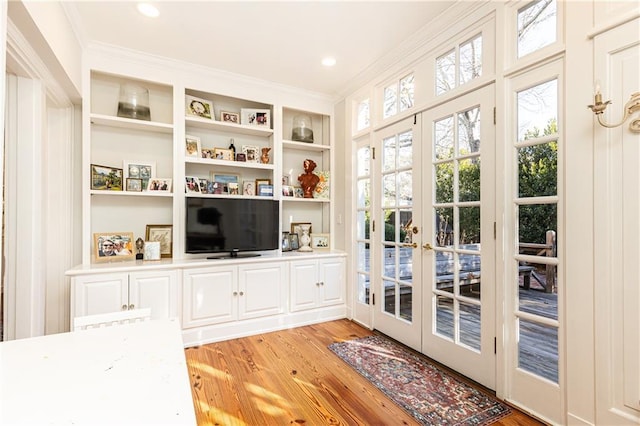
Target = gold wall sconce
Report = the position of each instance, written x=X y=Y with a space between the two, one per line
x=632 y=106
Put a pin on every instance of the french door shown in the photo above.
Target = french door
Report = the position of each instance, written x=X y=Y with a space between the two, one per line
x=458 y=244
x=396 y=236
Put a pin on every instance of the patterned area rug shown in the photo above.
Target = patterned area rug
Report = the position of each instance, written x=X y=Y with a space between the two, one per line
x=430 y=394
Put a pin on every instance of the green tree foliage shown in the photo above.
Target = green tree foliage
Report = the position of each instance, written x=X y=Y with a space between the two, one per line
x=537 y=177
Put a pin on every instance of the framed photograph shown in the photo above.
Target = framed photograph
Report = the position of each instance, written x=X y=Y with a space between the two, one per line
x=248 y=187
x=159 y=184
x=241 y=157
x=223 y=154
x=151 y=250
x=262 y=182
x=139 y=170
x=298 y=192
x=251 y=153
x=193 y=147
x=134 y=184
x=233 y=188
x=196 y=107
x=106 y=178
x=285 y=180
x=230 y=117
x=225 y=178
x=256 y=117
x=294 y=241
x=265 y=190
x=287 y=191
x=110 y=246
x=320 y=241
x=204 y=186
x=207 y=153
x=162 y=234
x=295 y=228
x=192 y=184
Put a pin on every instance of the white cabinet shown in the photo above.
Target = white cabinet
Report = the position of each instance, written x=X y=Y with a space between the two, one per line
x=103 y=293
x=262 y=290
x=317 y=283
x=221 y=294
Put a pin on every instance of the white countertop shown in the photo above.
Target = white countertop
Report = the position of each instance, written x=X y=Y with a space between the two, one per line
x=121 y=375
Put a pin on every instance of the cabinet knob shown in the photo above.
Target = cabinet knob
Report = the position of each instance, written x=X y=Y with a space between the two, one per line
x=321 y=282
x=318 y=284
x=242 y=293
x=132 y=306
x=235 y=293
x=125 y=307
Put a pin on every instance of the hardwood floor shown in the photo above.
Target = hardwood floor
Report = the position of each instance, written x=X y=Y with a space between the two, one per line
x=291 y=377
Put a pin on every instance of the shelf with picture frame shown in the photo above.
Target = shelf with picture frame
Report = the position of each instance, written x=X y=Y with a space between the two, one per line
x=317 y=211
x=111 y=135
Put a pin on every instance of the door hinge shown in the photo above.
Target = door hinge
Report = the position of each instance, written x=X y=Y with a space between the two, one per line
x=495 y=345
x=495 y=230
x=415 y=119
x=373 y=299
x=373 y=226
x=494 y=115
x=373 y=153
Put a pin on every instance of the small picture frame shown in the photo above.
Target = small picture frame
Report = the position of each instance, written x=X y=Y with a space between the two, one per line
x=249 y=188
x=265 y=190
x=162 y=234
x=320 y=241
x=134 y=185
x=197 y=107
x=159 y=185
x=204 y=186
x=296 y=229
x=241 y=157
x=105 y=178
x=222 y=154
x=256 y=117
x=110 y=246
x=294 y=241
x=224 y=178
x=144 y=170
x=285 y=180
x=298 y=192
x=233 y=188
x=262 y=182
x=192 y=184
x=229 y=117
x=252 y=153
x=207 y=153
x=152 y=250
x=193 y=147
x=287 y=191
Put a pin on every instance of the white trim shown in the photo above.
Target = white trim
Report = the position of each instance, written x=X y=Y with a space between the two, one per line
x=4 y=309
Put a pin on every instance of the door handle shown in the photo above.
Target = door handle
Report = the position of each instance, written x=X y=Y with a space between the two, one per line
x=412 y=245
x=427 y=246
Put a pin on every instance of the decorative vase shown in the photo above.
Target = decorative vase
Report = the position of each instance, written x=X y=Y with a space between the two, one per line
x=134 y=102
x=305 y=239
x=302 y=129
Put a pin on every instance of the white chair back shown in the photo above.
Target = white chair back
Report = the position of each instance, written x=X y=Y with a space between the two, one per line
x=110 y=319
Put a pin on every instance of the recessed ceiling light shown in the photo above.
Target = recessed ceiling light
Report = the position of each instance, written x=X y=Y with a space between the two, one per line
x=147 y=9
x=329 y=61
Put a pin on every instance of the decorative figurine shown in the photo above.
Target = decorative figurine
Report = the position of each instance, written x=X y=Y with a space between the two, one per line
x=305 y=239
x=308 y=180
x=264 y=158
x=139 y=248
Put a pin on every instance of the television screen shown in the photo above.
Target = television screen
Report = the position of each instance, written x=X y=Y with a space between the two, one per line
x=216 y=225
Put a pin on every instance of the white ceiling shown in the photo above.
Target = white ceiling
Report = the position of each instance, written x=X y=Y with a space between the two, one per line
x=281 y=42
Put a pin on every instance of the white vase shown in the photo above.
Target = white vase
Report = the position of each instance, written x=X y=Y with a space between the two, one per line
x=305 y=239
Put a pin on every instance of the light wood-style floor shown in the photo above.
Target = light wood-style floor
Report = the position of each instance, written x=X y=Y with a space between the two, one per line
x=291 y=377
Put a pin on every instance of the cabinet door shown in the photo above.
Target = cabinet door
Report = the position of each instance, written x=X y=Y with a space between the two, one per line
x=208 y=296
x=100 y=294
x=155 y=290
x=261 y=290
x=331 y=277
x=304 y=285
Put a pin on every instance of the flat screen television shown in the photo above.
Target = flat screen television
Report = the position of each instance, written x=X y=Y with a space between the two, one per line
x=231 y=225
